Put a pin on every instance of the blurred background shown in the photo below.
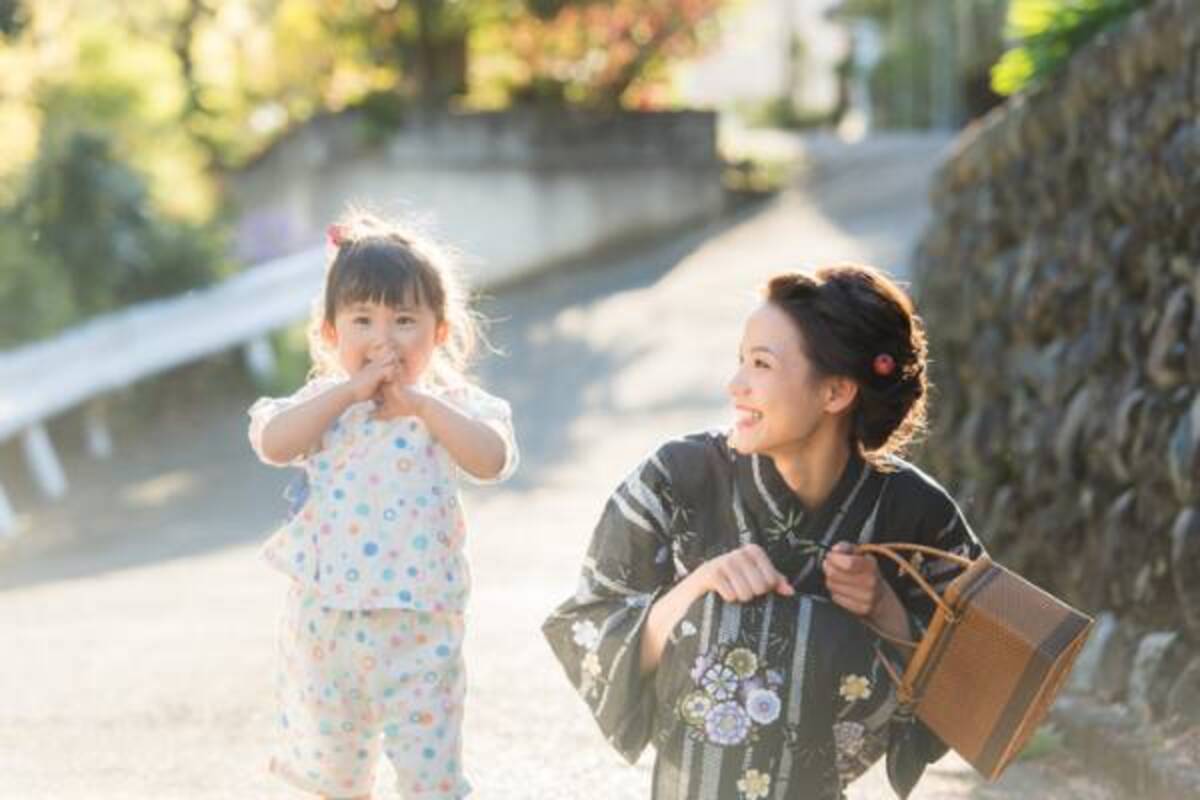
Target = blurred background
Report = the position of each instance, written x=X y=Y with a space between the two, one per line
x=616 y=178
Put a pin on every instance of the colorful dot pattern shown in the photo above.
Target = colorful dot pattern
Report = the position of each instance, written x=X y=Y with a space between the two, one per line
x=383 y=525
x=353 y=684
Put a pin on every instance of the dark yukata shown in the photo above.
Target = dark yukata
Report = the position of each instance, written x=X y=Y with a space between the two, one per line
x=781 y=697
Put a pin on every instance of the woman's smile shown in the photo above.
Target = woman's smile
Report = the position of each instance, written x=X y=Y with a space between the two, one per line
x=747 y=417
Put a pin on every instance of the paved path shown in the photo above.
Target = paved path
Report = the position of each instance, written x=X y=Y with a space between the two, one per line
x=136 y=623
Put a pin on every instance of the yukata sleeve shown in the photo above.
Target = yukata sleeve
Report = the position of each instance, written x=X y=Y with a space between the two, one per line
x=942 y=525
x=266 y=409
x=597 y=633
x=497 y=415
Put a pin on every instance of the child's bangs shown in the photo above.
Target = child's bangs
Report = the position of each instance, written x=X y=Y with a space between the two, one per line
x=374 y=277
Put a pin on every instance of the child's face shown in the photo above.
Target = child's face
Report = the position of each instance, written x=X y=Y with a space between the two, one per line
x=779 y=399
x=366 y=331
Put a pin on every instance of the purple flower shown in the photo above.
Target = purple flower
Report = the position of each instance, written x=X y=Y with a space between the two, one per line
x=727 y=724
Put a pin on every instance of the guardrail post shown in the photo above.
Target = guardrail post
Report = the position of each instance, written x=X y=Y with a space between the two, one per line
x=95 y=429
x=8 y=520
x=260 y=358
x=43 y=462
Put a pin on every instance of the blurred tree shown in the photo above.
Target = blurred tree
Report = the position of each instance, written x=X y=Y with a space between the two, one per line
x=12 y=17
x=591 y=53
x=936 y=59
x=1044 y=34
x=121 y=118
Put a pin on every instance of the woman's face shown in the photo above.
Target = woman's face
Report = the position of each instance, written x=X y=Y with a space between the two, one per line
x=777 y=395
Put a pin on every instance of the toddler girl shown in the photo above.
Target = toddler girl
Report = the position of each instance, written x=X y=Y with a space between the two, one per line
x=371 y=638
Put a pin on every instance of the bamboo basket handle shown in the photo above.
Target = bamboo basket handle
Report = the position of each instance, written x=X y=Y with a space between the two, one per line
x=921 y=548
x=889 y=551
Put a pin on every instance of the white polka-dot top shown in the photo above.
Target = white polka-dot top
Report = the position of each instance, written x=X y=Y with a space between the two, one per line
x=383 y=524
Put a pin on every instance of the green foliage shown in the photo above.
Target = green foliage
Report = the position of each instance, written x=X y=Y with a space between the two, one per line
x=84 y=238
x=1047 y=32
x=12 y=17
x=34 y=291
x=1046 y=741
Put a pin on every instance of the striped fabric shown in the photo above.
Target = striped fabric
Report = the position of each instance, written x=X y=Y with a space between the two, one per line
x=776 y=698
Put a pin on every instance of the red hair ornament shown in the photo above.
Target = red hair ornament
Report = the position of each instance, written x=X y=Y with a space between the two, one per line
x=336 y=235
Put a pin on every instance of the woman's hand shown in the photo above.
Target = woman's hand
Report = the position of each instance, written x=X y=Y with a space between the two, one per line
x=854 y=581
x=856 y=585
x=738 y=577
x=742 y=575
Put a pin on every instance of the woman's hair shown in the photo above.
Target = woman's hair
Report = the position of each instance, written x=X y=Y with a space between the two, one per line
x=848 y=317
x=377 y=260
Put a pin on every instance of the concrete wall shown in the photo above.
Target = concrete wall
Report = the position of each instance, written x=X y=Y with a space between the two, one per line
x=514 y=191
x=1061 y=285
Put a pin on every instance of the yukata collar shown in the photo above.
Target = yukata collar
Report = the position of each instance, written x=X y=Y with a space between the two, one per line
x=779 y=509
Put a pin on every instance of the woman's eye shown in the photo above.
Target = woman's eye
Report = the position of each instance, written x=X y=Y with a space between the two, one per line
x=760 y=364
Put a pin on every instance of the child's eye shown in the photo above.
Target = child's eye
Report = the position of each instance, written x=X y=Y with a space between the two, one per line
x=404 y=319
x=760 y=364
x=362 y=321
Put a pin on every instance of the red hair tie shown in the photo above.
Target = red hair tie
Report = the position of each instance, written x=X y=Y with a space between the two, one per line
x=884 y=365
x=336 y=234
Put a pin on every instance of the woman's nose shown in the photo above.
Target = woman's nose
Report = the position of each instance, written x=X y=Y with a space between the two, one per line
x=736 y=386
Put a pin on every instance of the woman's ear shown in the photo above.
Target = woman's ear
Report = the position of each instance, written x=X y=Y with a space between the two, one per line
x=839 y=394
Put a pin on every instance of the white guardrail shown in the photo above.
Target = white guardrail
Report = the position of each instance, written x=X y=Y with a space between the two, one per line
x=77 y=367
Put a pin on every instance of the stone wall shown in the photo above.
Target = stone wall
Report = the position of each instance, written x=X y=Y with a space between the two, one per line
x=515 y=191
x=1060 y=281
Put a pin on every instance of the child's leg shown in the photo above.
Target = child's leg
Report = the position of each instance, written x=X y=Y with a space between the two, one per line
x=329 y=742
x=424 y=682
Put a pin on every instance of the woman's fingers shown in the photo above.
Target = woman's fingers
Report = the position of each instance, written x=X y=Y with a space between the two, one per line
x=854 y=595
x=748 y=573
x=743 y=584
x=725 y=589
x=773 y=579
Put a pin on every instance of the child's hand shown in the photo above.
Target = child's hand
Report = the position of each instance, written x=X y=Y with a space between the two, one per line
x=367 y=382
x=400 y=397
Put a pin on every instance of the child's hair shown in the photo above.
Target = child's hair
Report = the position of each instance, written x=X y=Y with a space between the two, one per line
x=850 y=317
x=378 y=260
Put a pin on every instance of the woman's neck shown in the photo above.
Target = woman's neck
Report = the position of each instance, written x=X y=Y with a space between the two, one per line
x=814 y=467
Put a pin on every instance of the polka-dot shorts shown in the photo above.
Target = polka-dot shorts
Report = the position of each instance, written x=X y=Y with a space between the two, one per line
x=354 y=682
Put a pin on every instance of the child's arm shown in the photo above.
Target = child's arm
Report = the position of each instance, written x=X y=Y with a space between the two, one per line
x=297 y=430
x=474 y=445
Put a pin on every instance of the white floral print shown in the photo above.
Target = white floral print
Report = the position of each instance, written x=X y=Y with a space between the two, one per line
x=754 y=785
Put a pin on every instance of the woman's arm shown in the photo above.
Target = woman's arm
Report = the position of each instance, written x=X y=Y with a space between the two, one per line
x=738 y=576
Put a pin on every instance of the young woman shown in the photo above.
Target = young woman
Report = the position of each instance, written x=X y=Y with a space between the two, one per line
x=722 y=611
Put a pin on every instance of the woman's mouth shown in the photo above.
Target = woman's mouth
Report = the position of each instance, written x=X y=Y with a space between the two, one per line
x=747 y=417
